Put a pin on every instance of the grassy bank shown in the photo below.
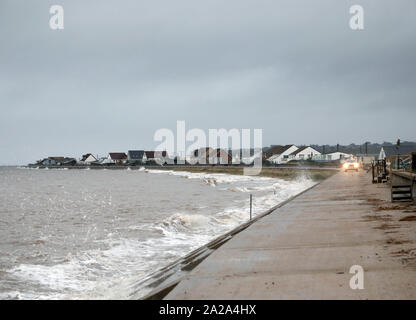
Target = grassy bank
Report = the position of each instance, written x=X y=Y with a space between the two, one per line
x=281 y=173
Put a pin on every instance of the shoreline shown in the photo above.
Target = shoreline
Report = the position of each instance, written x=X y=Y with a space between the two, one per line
x=315 y=174
x=288 y=173
x=136 y=176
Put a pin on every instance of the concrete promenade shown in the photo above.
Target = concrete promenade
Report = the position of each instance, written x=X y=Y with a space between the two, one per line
x=304 y=250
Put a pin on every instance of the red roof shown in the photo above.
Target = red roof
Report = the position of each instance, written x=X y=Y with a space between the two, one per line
x=118 y=156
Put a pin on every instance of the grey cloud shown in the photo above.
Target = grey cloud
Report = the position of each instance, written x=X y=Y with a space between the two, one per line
x=121 y=70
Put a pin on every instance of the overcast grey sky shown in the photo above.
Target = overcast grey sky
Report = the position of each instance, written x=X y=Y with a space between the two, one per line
x=120 y=70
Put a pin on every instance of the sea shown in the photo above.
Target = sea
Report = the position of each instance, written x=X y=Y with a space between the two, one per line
x=92 y=234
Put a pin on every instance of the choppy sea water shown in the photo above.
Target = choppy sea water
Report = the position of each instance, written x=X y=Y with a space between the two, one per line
x=91 y=234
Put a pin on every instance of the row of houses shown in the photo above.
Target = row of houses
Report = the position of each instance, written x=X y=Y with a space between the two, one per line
x=136 y=157
x=398 y=156
x=207 y=155
x=132 y=157
x=276 y=155
x=57 y=161
x=284 y=154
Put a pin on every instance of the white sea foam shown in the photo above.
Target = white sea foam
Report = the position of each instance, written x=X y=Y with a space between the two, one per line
x=217 y=177
x=109 y=273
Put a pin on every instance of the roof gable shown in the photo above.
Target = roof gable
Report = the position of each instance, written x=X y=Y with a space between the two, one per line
x=294 y=153
x=273 y=151
x=286 y=148
x=87 y=155
x=118 y=155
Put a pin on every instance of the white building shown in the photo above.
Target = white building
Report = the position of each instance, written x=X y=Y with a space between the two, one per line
x=304 y=153
x=281 y=154
x=88 y=159
x=117 y=157
x=332 y=156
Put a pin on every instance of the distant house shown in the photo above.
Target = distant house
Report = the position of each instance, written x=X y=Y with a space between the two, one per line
x=88 y=159
x=222 y=156
x=209 y=155
x=136 y=156
x=334 y=156
x=69 y=162
x=117 y=157
x=200 y=156
x=271 y=151
x=156 y=156
x=303 y=153
x=339 y=155
x=280 y=153
x=57 y=161
x=203 y=156
x=50 y=161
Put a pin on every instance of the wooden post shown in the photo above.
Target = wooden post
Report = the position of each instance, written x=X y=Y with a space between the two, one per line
x=251 y=206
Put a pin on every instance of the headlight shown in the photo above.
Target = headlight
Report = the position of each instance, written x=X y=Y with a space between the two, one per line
x=356 y=165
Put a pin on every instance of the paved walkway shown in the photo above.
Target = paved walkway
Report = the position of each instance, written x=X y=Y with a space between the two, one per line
x=304 y=250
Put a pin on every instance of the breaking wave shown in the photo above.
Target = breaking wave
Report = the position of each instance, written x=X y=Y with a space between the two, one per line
x=109 y=273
